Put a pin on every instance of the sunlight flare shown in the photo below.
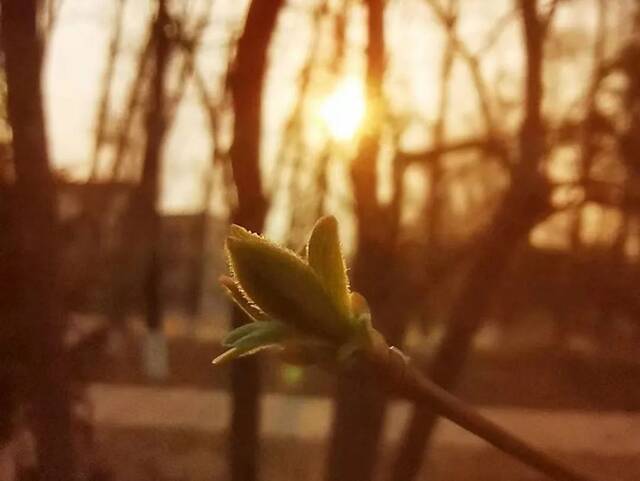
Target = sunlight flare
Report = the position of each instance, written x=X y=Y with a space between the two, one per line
x=343 y=110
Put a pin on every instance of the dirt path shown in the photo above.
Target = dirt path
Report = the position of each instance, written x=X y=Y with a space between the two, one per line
x=207 y=411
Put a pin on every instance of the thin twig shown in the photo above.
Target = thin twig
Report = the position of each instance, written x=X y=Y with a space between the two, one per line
x=104 y=103
x=548 y=18
x=496 y=32
x=471 y=59
x=132 y=104
x=408 y=381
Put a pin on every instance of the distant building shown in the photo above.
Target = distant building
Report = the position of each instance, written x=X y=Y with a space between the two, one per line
x=102 y=262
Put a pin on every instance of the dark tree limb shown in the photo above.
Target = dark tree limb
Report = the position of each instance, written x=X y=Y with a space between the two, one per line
x=41 y=310
x=246 y=85
x=147 y=195
x=358 y=414
x=470 y=58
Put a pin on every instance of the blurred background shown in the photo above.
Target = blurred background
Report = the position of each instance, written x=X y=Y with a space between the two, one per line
x=482 y=157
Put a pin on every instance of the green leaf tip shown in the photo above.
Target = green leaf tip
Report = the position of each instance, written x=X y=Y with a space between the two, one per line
x=325 y=258
x=238 y=232
x=226 y=356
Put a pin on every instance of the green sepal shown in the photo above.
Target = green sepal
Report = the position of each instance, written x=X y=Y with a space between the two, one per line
x=367 y=336
x=361 y=314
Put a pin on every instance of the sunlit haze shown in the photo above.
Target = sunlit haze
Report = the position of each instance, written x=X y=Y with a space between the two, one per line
x=344 y=108
x=76 y=63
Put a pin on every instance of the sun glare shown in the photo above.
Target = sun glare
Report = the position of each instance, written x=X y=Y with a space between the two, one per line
x=343 y=110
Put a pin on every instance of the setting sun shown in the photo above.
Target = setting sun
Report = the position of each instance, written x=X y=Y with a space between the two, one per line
x=344 y=108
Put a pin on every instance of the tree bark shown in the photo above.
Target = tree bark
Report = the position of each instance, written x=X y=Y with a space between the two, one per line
x=524 y=205
x=41 y=307
x=359 y=412
x=246 y=85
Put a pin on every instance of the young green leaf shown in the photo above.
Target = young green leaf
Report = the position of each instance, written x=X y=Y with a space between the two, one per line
x=257 y=333
x=238 y=333
x=325 y=258
x=235 y=353
x=226 y=356
x=251 y=338
x=285 y=288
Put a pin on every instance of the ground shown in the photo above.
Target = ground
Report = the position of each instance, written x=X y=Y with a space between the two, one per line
x=177 y=434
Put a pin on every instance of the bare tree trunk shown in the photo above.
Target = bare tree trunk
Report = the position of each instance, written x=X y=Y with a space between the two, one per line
x=41 y=302
x=148 y=190
x=524 y=205
x=246 y=83
x=12 y=352
x=199 y=260
x=144 y=213
x=359 y=410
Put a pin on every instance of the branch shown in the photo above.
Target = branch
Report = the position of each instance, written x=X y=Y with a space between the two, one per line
x=132 y=104
x=485 y=144
x=496 y=32
x=565 y=133
x=106 y=89
x=213 y=109
x=472 y=60
x=53 y=8
x=601 y=192
x=548 y=18
x=188 y=45
x=394 y=369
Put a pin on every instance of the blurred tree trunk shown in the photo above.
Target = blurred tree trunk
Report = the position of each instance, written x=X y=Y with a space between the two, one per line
x=148 y=190
x=144 y=215
x=246 y=85
x=524 y=205
x=433 y=208
x=40 y=301
x=359 y=409
x=198 y=263
x=12 y=345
